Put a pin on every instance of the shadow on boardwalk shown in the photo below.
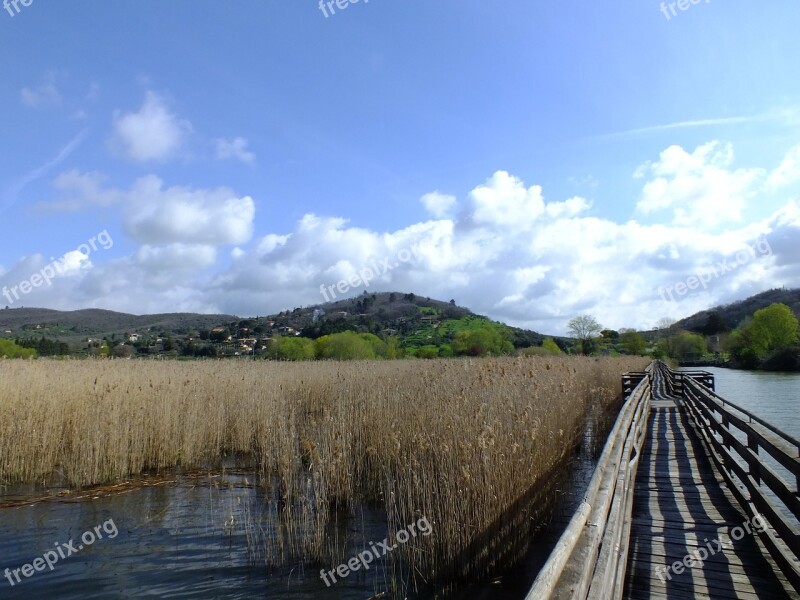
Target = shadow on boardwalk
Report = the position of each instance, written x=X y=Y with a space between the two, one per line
x=682 y=504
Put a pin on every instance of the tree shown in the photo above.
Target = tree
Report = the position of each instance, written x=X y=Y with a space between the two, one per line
x=682 y=345
x=347 y=345
x=293 y=348
x=481 y=342
x=715 y=324
x=632 y=342
x=584 y=328
x=551 y=347
x=123 y=351
x=428 y=352
x=773 y=328
x=219 y=336
x=548 y=348
x=664 y=325
x=394 y=349
x=9 y=349
x=770 y=330
x=377 y=344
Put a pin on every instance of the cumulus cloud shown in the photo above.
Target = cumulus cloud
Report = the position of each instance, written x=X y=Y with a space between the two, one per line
x=504 y=201
x=235 y=148
x=153 y=132
x=698 y=187
x=508 y=252
x=548 y=263
x=439 y=205
x=155 y=215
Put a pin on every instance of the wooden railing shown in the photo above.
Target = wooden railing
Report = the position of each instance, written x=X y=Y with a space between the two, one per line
x=590 y=558
x=677 y=378
x=748 y=476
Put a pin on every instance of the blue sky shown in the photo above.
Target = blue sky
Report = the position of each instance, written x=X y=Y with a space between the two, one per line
x=540 y=161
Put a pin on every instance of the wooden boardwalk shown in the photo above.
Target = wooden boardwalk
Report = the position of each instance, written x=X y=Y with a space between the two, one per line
x=682 y=506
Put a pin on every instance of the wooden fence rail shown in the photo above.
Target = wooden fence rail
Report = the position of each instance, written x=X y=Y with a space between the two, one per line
x=590 y=558
x=747 y=474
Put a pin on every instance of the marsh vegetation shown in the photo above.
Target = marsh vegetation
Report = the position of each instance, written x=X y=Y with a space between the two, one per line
x=461 y=442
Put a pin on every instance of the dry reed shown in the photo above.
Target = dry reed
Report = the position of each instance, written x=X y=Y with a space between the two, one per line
x=461 y=442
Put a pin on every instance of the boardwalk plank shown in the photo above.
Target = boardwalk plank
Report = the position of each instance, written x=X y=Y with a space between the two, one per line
x=681 y=504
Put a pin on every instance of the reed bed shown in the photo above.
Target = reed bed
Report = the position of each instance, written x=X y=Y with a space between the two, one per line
x=460 y=442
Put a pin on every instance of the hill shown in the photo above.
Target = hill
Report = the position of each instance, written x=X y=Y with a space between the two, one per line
x=415 y=320
x=74 y=326
x=733 y=314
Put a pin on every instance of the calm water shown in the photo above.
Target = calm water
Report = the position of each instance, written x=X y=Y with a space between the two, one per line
x=187 y=538
x=774 y=397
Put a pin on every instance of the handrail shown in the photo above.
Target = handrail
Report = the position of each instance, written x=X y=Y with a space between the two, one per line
x=713 y=418
x=791 y=439
x=590 y=558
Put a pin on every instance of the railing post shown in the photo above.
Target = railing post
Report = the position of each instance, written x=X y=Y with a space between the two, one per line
x=752 y=444
x=727 y=425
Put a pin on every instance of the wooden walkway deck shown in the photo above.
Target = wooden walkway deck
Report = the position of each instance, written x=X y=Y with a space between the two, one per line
x=682 y=505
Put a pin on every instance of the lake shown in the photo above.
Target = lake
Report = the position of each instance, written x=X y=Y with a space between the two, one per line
x=772 y=396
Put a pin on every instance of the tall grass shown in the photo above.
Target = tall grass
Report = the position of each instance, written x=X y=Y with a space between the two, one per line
x=461 y=442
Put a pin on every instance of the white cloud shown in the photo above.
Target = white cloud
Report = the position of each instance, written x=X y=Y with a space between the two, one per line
x=154 y=215
x=698 y=188
x=508 y=254
x=152 y=133
x=235 y=148
x=82 y=190
x=788 y=172
x=439 y=205
x=538 y=270
x=504 y=201
x=176 y=258
x=46 y=94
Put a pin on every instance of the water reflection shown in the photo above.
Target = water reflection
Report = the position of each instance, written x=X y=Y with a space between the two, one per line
x=191 y=538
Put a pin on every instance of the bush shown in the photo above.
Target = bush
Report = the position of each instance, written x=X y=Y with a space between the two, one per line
x=9 y=349
x=548 y=348
x=486 y=341
x=428 y=352
x=293 y=348
x=344 y=346
x=786 y=359
x=770 y=330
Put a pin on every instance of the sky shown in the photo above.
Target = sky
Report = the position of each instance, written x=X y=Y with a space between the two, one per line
x=534 y=161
